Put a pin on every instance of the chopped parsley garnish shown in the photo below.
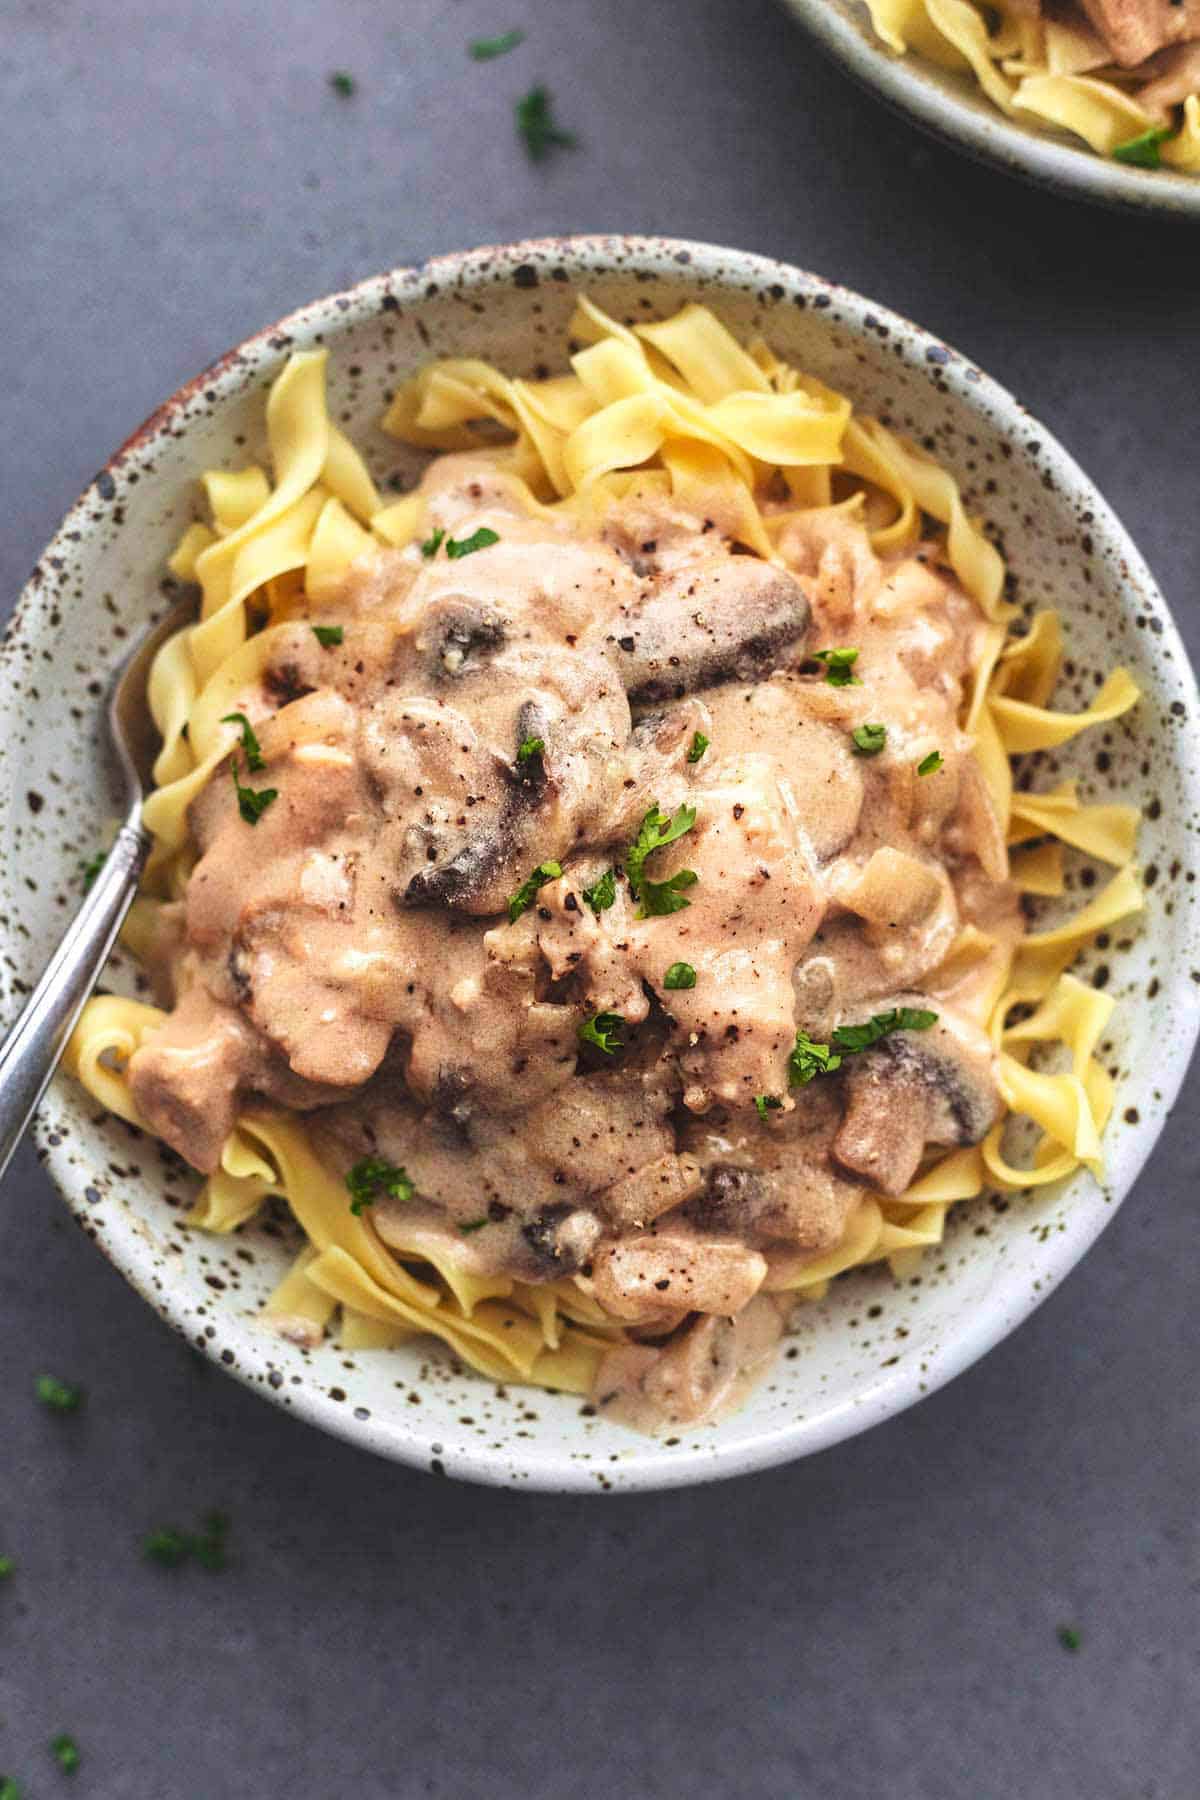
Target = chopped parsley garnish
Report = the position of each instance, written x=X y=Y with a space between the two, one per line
x=602 y=893
x=328 y=635
x=1069 y=1638
x=839 y=667
x=1142 y=151
x=66 y=1752
x=91 y=868
x=868 y=740
x=699 y=746
x=605 y=1032
x=432 y=543
x=9 y=1789
x=531 y=748
x=765 y=1103
x=374 y=1176
x=524 y=897
x=255 y=759
x=170 y=1548
x=680 y=975
x=58 y=1395
x=854 y=1038
x=474 y=1225
x=537 y=127
x=808 y=1060
x=659 y=898
x=343 y=83
x=485 y=49
x=478 y=540
x=252 y=802
x=929 y=765
x=7 y=1565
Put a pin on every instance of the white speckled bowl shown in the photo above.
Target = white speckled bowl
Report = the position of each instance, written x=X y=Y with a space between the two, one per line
x=953 y=107
x=874 y=1348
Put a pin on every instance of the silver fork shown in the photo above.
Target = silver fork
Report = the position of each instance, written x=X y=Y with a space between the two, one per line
x=30 y=1052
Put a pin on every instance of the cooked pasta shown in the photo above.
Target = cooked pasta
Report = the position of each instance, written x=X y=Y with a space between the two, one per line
x=676 y=469
x=1122 y=75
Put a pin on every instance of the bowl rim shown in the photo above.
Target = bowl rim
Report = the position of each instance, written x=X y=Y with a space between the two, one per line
x=644 y=1468
x=908 y=85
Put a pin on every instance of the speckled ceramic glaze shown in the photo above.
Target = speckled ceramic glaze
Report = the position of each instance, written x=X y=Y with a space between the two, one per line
x=952 y=105
x=874 y=1347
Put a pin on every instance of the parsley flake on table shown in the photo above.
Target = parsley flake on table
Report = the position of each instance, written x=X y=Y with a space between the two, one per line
x=929 y=765
x=343 y=83
x=604 y=1032
x=699 y=745
x=373 y=1176
x=7 y=1565
x=1069 y=1638
x=659 y=898
x=255 y=760
x=59 y=1396
x=868 y=740
x=839 y=667
x=478 y=540
x=252 y=802
x=679 y=975
x=432 y=543
x=488 y=48
x=65 y=1751
x=9 y=1789
x=169 y=1547
x=328 y=635
x=537 y=127
x=855 y=1038
x=602 y=893
x=525 y=895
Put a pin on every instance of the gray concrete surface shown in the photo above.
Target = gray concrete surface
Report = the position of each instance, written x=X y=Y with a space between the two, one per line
x=876 y=1624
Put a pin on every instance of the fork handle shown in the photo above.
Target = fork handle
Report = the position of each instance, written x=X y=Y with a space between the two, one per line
x=30 y=1052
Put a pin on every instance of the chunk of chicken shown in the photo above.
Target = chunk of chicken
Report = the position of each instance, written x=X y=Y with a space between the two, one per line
x=1134 y=29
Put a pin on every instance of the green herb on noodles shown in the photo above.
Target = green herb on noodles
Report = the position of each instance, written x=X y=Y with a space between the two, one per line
x=839 y=667
x=929 y=765
x=478 y=540
x=679 y=975
x=699 y=746
x=604 y=1032
x=855 y=1038
x=602 y=893
x=373 y=1176
x=1141 y=152
x=525 y=895
x=869 y=740
x=433 y=542
x=255 y=759
x=328 y=635
x=252 y=802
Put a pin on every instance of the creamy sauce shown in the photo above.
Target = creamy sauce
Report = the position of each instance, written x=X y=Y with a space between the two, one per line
x=350 y=955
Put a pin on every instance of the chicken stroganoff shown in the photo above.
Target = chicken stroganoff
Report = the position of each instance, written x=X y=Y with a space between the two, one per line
x=1122 y=75
x=582 y=887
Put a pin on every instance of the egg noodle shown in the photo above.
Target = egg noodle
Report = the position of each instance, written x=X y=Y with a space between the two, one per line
x=1058 y=71
x=677 y=407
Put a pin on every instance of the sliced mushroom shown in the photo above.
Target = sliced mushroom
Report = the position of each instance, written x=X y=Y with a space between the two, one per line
x=457 y=636
x=561 y=1238
x=728 y=619
x=912 y=1089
